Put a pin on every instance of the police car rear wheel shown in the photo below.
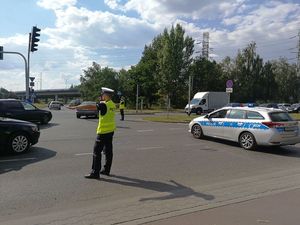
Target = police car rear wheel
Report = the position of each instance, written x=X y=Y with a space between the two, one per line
x=247 y=141
x=197 y=131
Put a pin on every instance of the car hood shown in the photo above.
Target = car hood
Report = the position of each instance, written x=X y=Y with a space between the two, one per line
x=199 y=118
x=15 y=121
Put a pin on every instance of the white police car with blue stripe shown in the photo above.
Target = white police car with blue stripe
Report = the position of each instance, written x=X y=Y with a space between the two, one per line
x=248 y=126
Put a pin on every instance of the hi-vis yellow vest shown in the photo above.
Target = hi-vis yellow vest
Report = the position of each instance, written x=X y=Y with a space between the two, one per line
x=122 y=105
x=107 y=123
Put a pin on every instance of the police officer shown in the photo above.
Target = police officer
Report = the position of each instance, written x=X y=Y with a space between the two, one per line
x=105 y=132
x=122 y=107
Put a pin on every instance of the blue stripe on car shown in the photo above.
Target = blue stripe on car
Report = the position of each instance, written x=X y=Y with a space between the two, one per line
x=245 y=125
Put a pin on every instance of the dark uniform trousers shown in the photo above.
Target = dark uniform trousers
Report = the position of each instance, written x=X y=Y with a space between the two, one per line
x=103 y=143
x=122 y=114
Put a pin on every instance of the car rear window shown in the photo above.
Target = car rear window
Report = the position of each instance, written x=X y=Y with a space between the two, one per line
x=254 y=116
x=280 y=117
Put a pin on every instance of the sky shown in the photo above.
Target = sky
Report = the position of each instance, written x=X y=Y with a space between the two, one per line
x=113 y=33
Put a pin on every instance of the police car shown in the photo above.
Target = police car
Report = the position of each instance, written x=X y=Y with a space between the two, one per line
x=248 y=126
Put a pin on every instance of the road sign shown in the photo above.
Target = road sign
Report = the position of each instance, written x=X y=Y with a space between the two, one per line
x=32 y=78
x=229 y=90
x=229 y=83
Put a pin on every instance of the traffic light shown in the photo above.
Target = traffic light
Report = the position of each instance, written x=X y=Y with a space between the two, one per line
x=1 y=52
x=34 y=39
x=31 y=83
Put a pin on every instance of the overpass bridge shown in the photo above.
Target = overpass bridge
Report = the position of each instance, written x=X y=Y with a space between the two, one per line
x=52 y=94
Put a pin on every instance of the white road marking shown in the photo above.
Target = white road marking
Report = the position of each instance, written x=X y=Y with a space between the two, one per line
x=144 y=131
x=149 y=148
x=16 y=160
x=80 y=154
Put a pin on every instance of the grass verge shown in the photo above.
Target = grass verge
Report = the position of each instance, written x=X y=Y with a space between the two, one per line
x=170 y=119
x=296 y=116
x=40 y=105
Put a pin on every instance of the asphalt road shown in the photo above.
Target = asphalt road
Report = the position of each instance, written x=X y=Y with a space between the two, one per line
x=159 y=171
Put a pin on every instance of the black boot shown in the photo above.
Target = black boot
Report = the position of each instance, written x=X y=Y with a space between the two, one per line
x=92 y=176
x=104 y=172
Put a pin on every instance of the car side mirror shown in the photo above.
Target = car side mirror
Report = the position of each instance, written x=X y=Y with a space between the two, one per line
x=207 y=116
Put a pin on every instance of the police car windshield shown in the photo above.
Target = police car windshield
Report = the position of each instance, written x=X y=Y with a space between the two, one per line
x=280 y=117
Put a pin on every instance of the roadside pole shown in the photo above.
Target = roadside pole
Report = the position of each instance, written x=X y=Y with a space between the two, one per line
x=189 y=100
x=229 y=89
x=137 y=99
x=28 y=67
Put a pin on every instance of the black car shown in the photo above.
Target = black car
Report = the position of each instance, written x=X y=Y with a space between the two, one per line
x=17 y=135
x=17 y=109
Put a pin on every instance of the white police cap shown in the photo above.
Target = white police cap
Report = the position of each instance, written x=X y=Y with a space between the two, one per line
x=107 y=90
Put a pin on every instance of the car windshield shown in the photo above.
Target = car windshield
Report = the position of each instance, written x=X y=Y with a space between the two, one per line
x=280 y=117
x=195 y=101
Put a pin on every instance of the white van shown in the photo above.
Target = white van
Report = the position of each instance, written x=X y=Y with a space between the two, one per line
x=207 y=102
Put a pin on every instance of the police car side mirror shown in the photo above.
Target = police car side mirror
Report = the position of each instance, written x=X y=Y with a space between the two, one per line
x=207 y=116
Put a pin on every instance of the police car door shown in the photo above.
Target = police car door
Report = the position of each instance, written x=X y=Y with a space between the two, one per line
x=213 y=125
x=235 y=121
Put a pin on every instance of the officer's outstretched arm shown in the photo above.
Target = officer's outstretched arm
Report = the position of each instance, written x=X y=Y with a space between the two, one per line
x=101 y=106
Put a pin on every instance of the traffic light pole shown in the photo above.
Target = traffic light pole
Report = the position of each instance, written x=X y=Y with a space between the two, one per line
x=26 y=71
x=28 y=67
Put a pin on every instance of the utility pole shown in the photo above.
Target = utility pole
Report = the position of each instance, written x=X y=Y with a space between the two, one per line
x=205 y=45
x=298 y=57
x=189 y=96
x=137 y=99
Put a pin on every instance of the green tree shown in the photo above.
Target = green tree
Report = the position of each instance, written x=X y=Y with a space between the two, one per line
x=206 y=76
x=96 y=77
x=269 y=84
x=247 y=74
x=286 y=79
x=174 y=59
x=7 y=94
